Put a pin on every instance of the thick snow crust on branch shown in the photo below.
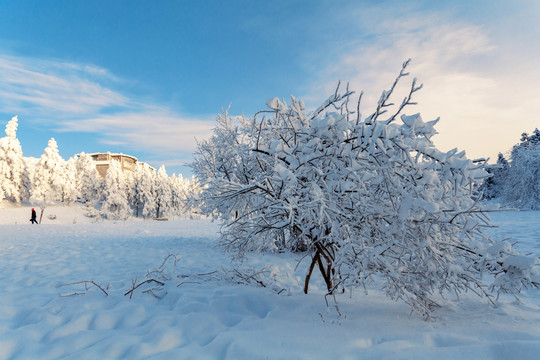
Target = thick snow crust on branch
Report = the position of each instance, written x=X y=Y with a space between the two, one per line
x=372 y=200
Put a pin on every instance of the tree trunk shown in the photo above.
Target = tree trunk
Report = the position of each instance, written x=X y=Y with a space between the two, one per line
x=326 y=274
x=308 y=276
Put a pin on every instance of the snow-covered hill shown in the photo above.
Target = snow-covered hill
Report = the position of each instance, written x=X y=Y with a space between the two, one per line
x=205 y=313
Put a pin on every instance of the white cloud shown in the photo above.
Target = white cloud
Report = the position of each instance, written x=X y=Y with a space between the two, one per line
x=36 y=86
x=471 y=80
x=72 y=97
x=152 y=129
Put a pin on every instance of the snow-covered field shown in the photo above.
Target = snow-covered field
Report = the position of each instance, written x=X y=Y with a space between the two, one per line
x=206 y=314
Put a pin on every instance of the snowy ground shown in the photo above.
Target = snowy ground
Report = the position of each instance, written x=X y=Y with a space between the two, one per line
x=213 y=317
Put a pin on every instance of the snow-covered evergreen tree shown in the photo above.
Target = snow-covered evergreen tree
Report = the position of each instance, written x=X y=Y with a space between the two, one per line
x=180 y=189
x=115 y=202
x=163 y=193
x=183 y=190
x=493 y=187
x=371 y=199
x=130 y=191
x=177 y=198
x=190 y=189
x=142 y=192
x=48 y=178
x=88 y=180
x=30 y=164
x=70 y=192
x=13 y=178
x=522 y=183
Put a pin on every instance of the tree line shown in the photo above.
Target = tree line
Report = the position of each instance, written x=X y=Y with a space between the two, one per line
x=516 y=182
x=51 y=179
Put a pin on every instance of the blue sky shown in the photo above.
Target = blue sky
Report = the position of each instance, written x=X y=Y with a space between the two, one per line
x=147 y=77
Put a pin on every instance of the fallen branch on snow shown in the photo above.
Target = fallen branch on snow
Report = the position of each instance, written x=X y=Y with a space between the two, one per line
x=87 y=285
x=135 y=286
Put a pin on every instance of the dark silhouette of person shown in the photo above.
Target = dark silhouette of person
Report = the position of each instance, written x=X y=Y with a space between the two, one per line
x=34 y=216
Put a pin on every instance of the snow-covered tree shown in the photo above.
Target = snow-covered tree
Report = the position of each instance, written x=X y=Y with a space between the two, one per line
x=372 y=199
x=88 y=180
x=493 y=187
x=14 y=181
x=142 y=191
x=191 y=189
x=177 y=195
x=70 y=191
x=181 y=188
x=30 y=164
x=522 y=183
x=163 y=193
x=115 y=203
x=48 y=179
x=130 y=191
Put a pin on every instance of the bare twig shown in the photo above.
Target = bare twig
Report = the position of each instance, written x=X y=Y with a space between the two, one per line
x=188 y=282
x=247 y=278
x=134 y=287
x=71 y=294
x=167 y=258
x=87 y=284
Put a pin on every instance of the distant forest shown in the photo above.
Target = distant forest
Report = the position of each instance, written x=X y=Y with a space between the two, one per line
x=515 y=181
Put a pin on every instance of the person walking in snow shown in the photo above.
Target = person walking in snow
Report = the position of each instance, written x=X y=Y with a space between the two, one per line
x=34 y=216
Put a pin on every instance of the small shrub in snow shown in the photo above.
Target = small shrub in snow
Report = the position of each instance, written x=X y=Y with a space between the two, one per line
x=157 y=280
x=371 y=199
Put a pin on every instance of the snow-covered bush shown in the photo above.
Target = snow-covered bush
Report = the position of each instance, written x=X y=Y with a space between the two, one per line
x=372 y=199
